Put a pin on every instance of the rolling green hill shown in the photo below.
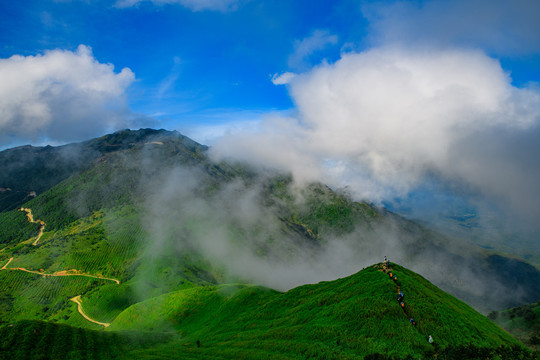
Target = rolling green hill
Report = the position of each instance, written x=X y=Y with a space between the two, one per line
x=350 y=318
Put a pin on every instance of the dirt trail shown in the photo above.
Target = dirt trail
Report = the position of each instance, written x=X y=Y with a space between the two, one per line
x=77 y=300
x=72 y=272
x=4 y=267
x=31 y=219
x=60 y=273
x=387 y=269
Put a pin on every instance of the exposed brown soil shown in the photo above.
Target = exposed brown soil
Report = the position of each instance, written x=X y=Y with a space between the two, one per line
x=77 y=300
x=31 y=219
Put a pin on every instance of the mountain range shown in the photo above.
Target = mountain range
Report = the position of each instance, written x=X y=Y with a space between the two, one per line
x=143 y=232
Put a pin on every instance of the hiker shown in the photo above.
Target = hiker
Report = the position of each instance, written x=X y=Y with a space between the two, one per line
x=402 y=304
x=395 y=278
x=412 y=321
x=430 y=339
x=390 y=275
x=400 y=298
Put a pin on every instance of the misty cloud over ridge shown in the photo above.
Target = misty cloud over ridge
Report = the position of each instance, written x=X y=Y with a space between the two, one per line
x=381 y=120
x=61 y=96
x=244 y=233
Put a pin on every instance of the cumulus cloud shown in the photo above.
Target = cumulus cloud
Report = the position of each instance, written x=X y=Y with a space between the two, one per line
x=195 y=5
x=304 y=48
x=382 y=120
x=501 y=26
x=60 y=96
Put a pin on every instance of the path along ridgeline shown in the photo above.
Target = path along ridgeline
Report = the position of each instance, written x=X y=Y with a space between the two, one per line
x=386 y=268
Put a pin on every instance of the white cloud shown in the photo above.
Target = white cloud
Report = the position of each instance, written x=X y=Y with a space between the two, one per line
x=505 y=27
x=380 y=120
x=304 y=48
x=283 y=79
x=195 y=5
x=60 y=96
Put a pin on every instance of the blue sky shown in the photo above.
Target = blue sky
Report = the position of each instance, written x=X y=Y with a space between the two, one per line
x=213 y=63
x=210 y=65
x=376 y=96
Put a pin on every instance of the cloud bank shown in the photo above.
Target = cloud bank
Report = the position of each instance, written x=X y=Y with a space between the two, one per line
x=382 y=120
x=60 y=96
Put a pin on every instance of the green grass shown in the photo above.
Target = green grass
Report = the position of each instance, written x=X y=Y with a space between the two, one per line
x=26 y=340
x=15 y=228
x=29 y=296
x=110 y=243
x=346 y=318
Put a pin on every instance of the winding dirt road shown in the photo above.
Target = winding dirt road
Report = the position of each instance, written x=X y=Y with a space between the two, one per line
x=31 y=219
x=77 y=300
x=60 y=273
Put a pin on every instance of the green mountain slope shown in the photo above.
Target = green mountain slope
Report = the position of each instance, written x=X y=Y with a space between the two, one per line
x=523 y=322
x=28 y=340
x=28 y=171
x=350 y=318
x=354 y=316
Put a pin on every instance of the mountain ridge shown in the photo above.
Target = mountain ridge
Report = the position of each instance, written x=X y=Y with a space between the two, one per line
x=160 y=216
x=348 y=318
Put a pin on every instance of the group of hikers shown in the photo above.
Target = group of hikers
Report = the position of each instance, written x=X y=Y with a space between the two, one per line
x=400 y=297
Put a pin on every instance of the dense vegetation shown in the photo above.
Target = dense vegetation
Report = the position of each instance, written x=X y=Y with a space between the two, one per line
x=40 y=340
x=349 y=318
x=15 y=227
x=522 y=321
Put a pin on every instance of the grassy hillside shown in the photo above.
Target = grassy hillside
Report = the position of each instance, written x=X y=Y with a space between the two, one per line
x=28 y=171
x=28 y=340
x=348 y=318
x=356 y=317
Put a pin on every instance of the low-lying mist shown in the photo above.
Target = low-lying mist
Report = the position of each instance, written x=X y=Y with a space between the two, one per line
x=255 y=230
